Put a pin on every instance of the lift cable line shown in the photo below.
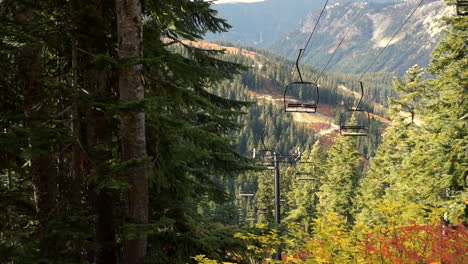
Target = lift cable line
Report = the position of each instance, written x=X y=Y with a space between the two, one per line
x=313 y=30
x=342 y=39
x=302 y=51
x=390 y=41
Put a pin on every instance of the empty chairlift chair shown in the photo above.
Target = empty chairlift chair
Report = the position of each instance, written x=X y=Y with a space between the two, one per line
x=305 y=174
x=245 y=194
x=355 y=121
x=266 y=158
x=462 y=7
x=301 y=97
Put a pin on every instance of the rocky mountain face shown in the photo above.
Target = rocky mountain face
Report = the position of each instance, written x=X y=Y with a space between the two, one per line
x=374 y=28
x=259 y=24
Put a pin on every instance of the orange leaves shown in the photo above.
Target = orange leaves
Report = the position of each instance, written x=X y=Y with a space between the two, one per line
x=430 y=244
x=419 y=244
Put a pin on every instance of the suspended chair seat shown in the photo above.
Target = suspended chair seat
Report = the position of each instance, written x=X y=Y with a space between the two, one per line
x=269 y=165
x=305 y=179
x=301 y=97
x=355 y=121
x=301 y=108
x=266 y=158
x=305 y=176
x=349 y=128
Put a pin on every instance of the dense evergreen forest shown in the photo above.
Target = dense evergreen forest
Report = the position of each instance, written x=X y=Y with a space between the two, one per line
x=269 y=74
x=124 y=143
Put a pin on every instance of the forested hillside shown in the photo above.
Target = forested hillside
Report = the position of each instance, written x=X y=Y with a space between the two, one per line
x=111 y=141
x=265 y=83
x=408 y=204
x=128 y=139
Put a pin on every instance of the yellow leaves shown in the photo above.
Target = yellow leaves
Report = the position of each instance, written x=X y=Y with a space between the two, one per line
x=262 y=243
x=201 y=259
x=240 y=235
x=253 y=248
x=332 y=242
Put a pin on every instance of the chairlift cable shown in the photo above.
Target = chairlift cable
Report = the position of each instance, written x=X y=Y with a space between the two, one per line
x=388 y=43
x=342 y=39
x=302 y=51
x=264 y=133
x=315 y=27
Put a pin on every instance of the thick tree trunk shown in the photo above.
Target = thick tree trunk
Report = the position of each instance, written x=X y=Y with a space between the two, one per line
x=43 y=170
x=99 y=137
x=130 y=32
x=98 y=131
x=10 y=180
x=77 y=159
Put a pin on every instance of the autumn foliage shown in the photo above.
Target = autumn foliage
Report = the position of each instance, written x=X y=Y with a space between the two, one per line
x=418 y=244
x=447 y=244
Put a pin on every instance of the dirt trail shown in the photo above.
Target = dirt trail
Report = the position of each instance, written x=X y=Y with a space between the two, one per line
x=212 y=46
x=316 y=121
x=318 y=118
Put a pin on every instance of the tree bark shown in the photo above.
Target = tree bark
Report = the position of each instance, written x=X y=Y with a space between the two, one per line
x=77 y=160
x=97 y=134
x=10 y=180
x=29 y=70
x=99 y=138
x=132 y=131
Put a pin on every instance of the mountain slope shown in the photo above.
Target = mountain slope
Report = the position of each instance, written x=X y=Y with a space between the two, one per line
x=265 y=83
x=261 y=23
x=372 y=31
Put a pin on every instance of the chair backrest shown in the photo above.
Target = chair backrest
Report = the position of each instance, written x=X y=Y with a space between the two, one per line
x=301 y=97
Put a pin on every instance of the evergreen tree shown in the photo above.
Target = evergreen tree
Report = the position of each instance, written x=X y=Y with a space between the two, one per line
x=305 y=185
x=340 y=180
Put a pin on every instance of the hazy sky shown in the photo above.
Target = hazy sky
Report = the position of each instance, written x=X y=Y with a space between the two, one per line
x=238 y=1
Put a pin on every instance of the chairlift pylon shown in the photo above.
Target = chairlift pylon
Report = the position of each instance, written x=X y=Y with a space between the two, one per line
x=357 y=115
x=307 y=94
x=462 y=7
